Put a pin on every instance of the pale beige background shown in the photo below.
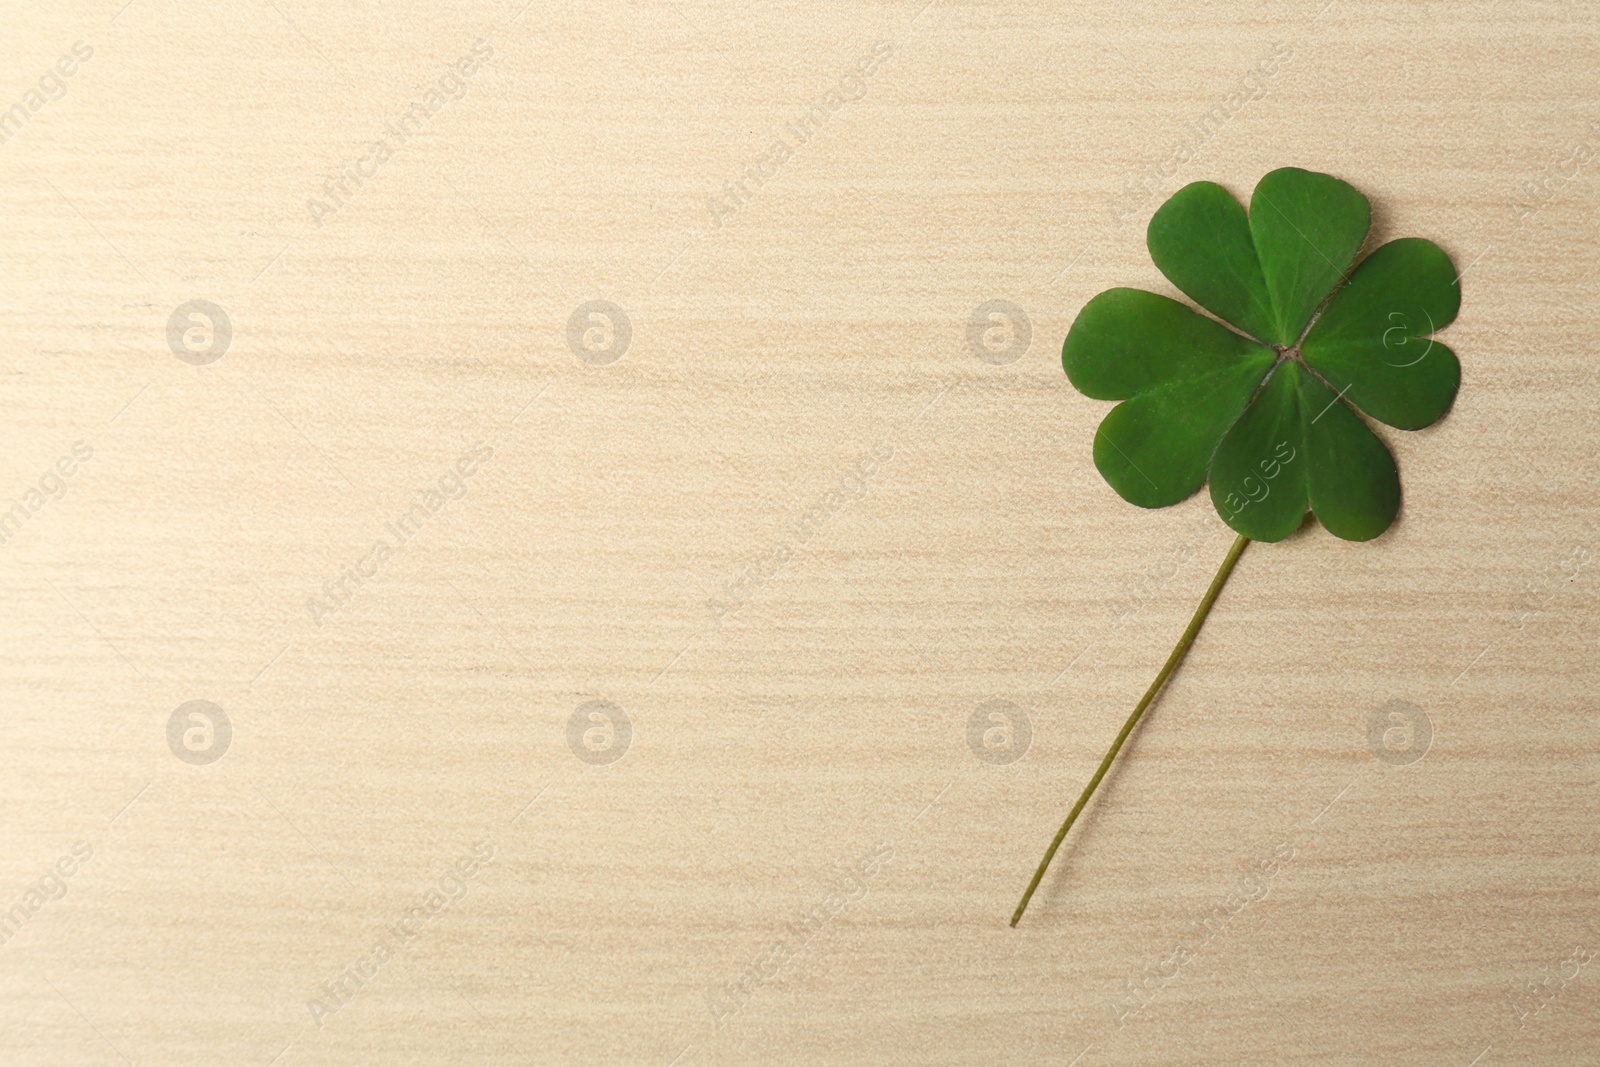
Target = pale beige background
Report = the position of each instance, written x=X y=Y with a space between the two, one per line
x=829 y=713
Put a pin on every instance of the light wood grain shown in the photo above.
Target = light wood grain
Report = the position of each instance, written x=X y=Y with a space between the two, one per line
x=798 y=533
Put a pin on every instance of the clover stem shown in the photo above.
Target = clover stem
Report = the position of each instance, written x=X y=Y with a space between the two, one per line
x=1173 y=660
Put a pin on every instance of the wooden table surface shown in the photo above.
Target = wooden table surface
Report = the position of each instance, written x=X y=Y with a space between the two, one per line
x=605 y=474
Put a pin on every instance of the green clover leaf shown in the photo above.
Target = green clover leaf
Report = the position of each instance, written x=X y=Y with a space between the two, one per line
x=1266 y=411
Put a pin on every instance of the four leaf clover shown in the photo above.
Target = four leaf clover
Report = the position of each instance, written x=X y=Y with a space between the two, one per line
x=1266 y=411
